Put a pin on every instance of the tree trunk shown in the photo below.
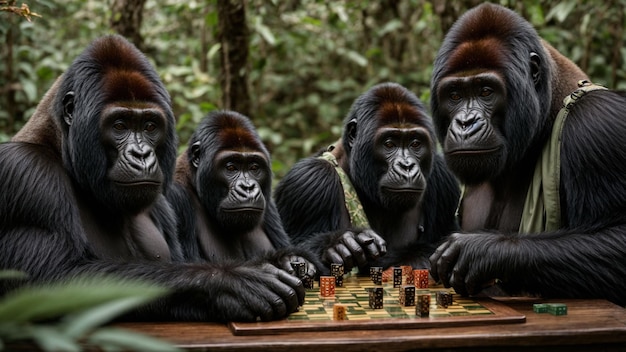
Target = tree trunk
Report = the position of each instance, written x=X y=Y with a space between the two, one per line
x=233 y=36
x=126 y=19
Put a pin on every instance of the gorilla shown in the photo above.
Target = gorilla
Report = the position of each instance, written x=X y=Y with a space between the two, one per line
x=389 y=154
x=82 y=193
x=497 y=89
x=222 y=195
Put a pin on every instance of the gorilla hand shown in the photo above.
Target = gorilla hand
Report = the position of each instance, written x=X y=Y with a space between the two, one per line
x=255 y=292
x=470 y=262
x=354 y=248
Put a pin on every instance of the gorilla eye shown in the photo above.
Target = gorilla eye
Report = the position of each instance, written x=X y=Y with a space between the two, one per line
x=486 y=91
x=150 y=127
x=389 y=144
x=416 y=144
x=231 y=167
x=254 y=167
x=119 y=126
x=455 y=96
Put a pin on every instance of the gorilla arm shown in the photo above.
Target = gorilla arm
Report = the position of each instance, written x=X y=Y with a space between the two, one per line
x=310 y=202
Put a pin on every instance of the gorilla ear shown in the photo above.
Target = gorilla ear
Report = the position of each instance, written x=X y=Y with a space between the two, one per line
x=535 y=68
x=68 y=107
x=195 y=154
x=351 y=132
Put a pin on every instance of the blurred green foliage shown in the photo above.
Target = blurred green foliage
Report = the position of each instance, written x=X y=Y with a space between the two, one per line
x=69 y=316
x=309 y=59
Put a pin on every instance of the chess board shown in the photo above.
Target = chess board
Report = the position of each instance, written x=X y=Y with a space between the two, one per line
x=317 y=312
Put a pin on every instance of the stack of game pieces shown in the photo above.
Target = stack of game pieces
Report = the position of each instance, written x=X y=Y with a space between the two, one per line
x=407 y=295
x=376 y=274
x=422 y=308
x=376 y=297
x=421 y=278
x=327 y=286
x=336 y=270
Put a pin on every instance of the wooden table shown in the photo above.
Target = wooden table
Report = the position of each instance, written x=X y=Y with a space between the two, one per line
x=589 y=325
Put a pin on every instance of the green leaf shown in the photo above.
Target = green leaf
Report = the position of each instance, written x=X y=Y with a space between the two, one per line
x=50 y=339
x=38 y=302
x=78 y=325
x=264 y=31
x=112 y=337
x=561 y=10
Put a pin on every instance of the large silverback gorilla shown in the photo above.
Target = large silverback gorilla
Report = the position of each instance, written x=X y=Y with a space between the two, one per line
x=81 y=193
x=496 y=90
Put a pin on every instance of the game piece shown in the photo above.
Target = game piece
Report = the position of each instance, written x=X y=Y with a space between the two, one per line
x=422 y=308
x=444 y=299
x=376 y=297
x=376 y=274
x=327 y=286
x=407 y=275
x=557 y=308
x=540 y=308
x=336 y=270
x=407 y=295
x=397 y=276
x=339 y=312
x=299 y=269
x=421 y=278
x=307 y=282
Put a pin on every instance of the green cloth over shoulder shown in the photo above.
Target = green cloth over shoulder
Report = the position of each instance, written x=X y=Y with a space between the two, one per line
x=352 y=202
x=542 y=208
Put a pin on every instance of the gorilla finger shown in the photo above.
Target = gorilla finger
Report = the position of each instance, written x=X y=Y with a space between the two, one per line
x=311 y=270
x=364 y=238
x=456 y=281
x=434 y=261
x=346 y=254
x=446 y=263
x=372 y=251
x=381 y=244
x=285 y=264
x=294 y=294
x=231 y=308
x=358 y=254
x=332 y=256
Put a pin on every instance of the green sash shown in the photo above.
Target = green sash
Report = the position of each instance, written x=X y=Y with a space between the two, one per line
x=542 y=208
x=353 y=204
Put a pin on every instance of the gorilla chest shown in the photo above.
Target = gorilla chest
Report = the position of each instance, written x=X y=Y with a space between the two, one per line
x=485 y=207
x=136 y=237
x=219 y=245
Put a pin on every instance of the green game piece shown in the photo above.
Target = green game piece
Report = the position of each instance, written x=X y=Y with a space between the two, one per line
x=557 y=308
x=540 y=308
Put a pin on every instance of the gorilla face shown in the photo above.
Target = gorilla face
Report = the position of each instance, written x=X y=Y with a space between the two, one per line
x=407 y=157
x=474 y=107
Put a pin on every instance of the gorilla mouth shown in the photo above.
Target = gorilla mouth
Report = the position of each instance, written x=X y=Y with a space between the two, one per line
x=138 y=183
x=242 y=209
x=474 y=151
x=403 y=189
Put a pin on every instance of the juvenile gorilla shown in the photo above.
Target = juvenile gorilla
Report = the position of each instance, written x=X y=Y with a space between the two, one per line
x=496 y=90
x=81 y=193
x=388 y=151
x=222 y=194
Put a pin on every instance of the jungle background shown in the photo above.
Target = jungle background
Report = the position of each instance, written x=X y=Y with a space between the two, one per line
x=293 y=66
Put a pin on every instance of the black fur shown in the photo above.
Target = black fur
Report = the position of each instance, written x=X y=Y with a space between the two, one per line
x=586 y=257
x=61 y=217
x=310 y=197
